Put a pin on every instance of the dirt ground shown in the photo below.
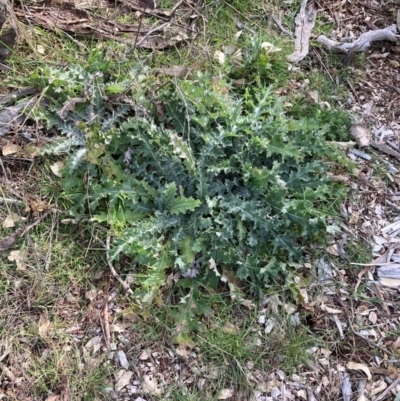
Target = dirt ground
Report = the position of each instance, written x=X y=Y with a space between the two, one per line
x=353 y=306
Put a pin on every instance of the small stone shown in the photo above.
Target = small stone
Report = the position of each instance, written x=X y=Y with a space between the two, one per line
x=144 y=356
x=123 y=361
x=275 y=393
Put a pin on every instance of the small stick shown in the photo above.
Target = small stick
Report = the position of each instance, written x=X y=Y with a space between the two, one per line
x=339 y=325
x=380 y=296
x=371 y=264
x=49 y=254
x=8 y=242
x=280 y=26
x=236 y=10
x=384 y=350
x=385 y=393
x=4 y=170
x=137 y=33
x=352 y=90
x=113 y=271
x=151 y=31
x=177 y=5
x=393 y=88
x=323 y=65
x=106 y=323
x=385 y=149
x=358 y=153
x=391 y=204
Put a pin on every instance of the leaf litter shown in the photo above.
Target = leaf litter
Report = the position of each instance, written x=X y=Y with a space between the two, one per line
x=88 y=20
x=359 y=364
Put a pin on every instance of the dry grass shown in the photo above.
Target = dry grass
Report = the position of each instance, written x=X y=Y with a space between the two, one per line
x=57 y=301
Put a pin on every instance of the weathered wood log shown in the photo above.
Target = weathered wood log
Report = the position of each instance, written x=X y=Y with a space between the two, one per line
x=362 y=43
x=305 y=22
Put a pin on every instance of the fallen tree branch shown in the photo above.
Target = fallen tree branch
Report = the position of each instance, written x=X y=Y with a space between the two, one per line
x=385 y=149
x=17 y=94
x=361 y=44
x=9 y=200
x=305 y=22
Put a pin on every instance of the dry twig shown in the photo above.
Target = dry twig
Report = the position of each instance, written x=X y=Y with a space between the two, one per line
x=280 y=26
x=113 y=271
x=8 y=242
x=106 y=324
x=385 y=149
x=383 y=395
x=384 y=350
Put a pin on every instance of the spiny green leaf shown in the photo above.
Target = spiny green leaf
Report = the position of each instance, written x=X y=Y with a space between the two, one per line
x=224 y=175
x=187 y=250
x=183 y=205
x=181 y=148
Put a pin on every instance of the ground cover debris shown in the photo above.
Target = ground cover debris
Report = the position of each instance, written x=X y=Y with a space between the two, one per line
x=100 y=21
x=326 y=327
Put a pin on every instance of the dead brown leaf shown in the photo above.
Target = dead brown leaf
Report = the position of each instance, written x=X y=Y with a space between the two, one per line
x=373 y=317
x=53 y=397
x=379 y=55
x=145 y=355
x=35 y=205
x=225 y=394
x=229 y=328
x=11 y=219
x=10 y=149
x=330 y=310
x=19 y=257
x=123 y=379
x=360 y=366
x=396 y=343
x=380 y=371
x=390 y=282
x=175 y=71
x=360 y=275
x=333 y=250
x=182 y=352
x=45 y=327
x=381 y=386
x=151 y=386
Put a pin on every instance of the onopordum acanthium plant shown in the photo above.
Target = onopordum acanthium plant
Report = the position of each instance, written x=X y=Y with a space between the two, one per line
x=213 y=182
